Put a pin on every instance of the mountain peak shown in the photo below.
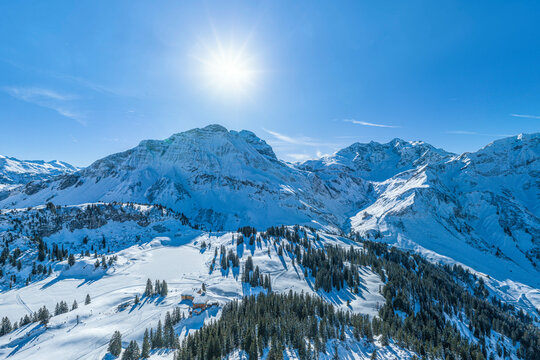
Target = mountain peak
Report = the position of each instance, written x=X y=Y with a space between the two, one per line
x=398 y=141
x=215 y=128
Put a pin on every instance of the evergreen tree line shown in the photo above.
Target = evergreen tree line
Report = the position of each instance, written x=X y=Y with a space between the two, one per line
x=335 y=268
x=275 y=321
x=53 y=254
x=425 y=292
x=52 y=218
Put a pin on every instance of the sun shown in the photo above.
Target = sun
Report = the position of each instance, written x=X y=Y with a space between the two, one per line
x=229 y=69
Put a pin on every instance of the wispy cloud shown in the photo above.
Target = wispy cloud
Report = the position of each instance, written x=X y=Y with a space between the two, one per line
x=465 y=132
x=300 y=148
x=47 y=98
x=297 y=140
x=365 y=123
x=526 y=116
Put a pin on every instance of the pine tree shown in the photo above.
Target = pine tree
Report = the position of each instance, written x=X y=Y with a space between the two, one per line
x=145 y=354
x=149 y=291
x=87 y=300
x=43 y=315
x=115 y=344
x=168 y=332
x=164 y=289
x=132 y=351
x=157 y=341
x=75 y=305
x=71 y=260
x=6 y=326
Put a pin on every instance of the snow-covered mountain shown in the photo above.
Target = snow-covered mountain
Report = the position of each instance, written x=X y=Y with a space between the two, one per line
x=375 y=161
x=224 y=179
x=481 y=209
x=14 y=171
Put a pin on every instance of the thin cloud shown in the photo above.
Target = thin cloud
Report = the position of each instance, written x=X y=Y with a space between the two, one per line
x=46 y=98
x=365 y=123
x=526 y=116
x=301 y=140
x=33 y=94
x=465 y=132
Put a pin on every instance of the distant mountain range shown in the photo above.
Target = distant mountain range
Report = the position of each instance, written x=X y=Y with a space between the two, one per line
x=15 y=172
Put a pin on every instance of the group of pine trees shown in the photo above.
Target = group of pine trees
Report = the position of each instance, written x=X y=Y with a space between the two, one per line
x=253 y=276
x=162 y=337
x=228 y=259
x=160 y=288
x=106 y=262
x=45 y=254
x=132 y=351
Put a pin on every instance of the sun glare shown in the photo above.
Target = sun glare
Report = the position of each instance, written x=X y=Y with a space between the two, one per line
x=228 y=70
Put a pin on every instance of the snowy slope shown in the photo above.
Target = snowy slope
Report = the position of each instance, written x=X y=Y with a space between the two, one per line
x=165 y=250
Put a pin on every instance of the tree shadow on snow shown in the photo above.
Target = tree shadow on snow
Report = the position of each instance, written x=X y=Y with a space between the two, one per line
x=20 y=342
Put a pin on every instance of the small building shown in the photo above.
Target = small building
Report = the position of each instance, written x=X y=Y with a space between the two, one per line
x=201 y=306
x=187 y=297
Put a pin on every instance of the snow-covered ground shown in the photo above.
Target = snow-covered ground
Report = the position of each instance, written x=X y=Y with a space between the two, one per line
x=179 y=260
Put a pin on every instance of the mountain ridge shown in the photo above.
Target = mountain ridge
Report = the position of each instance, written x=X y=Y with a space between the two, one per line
x=18 y=172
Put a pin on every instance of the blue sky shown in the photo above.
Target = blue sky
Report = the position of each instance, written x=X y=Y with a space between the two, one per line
x=80 y=80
